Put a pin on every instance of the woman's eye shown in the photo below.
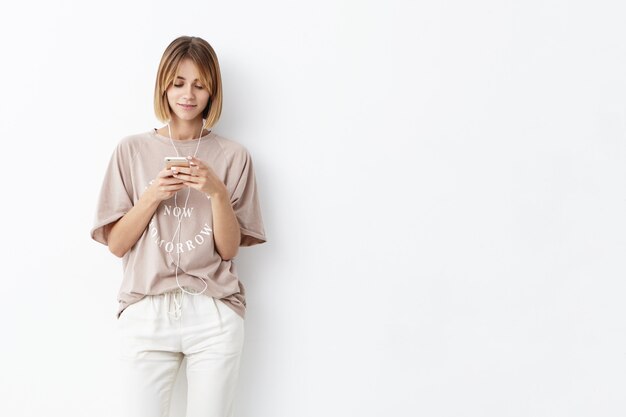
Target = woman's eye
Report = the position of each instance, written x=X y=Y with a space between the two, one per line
x=180 y=85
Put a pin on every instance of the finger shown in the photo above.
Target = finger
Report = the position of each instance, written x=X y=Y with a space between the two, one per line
x=187 y=178
x=172 y=187
x=184 y=170
x=197 y=171
x=171 y=181
x=195 y=161
x=192 y=185
x=165 y=173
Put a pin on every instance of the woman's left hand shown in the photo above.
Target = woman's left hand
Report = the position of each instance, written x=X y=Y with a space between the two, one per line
x=201 y=177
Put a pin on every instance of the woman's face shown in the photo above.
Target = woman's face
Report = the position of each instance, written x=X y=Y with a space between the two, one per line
x=186 y=89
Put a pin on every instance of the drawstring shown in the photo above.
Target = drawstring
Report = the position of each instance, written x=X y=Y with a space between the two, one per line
x=178 y=309
x=176 y=312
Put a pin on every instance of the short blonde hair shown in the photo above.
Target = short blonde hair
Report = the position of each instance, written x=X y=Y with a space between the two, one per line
x=205 y=60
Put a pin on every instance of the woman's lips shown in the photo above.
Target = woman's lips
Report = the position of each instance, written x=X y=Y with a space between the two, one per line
x=186 y=107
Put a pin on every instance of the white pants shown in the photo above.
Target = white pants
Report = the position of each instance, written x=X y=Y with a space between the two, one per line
x=155 y=334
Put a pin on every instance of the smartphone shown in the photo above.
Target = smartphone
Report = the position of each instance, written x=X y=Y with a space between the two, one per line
x=176 y=161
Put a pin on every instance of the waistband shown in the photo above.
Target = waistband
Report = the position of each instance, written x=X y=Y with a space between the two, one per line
x=175 y=300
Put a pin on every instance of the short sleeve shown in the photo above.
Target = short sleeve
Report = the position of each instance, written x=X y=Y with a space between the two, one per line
x=245 y=202
x=115 y=195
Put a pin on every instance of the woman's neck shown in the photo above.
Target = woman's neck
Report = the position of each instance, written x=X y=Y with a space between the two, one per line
x=184 y=130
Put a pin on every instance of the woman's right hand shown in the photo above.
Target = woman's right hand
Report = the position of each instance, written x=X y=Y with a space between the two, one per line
x=165 y=185
x=125 y=232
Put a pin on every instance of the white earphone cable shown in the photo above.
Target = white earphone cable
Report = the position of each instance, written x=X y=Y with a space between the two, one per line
x=180 y=216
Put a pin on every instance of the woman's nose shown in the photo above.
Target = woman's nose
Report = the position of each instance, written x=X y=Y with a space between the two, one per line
x=189 y=91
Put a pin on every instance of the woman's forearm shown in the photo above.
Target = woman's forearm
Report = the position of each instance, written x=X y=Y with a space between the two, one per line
x=225 y=226
x=123 y=234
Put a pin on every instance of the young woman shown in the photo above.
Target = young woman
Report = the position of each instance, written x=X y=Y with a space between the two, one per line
x=178 y=231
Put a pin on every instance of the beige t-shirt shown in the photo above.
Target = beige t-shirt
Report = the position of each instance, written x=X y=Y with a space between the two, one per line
x=150 y=265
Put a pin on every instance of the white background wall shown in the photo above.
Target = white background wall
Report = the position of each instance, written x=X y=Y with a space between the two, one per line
x=442 y=184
